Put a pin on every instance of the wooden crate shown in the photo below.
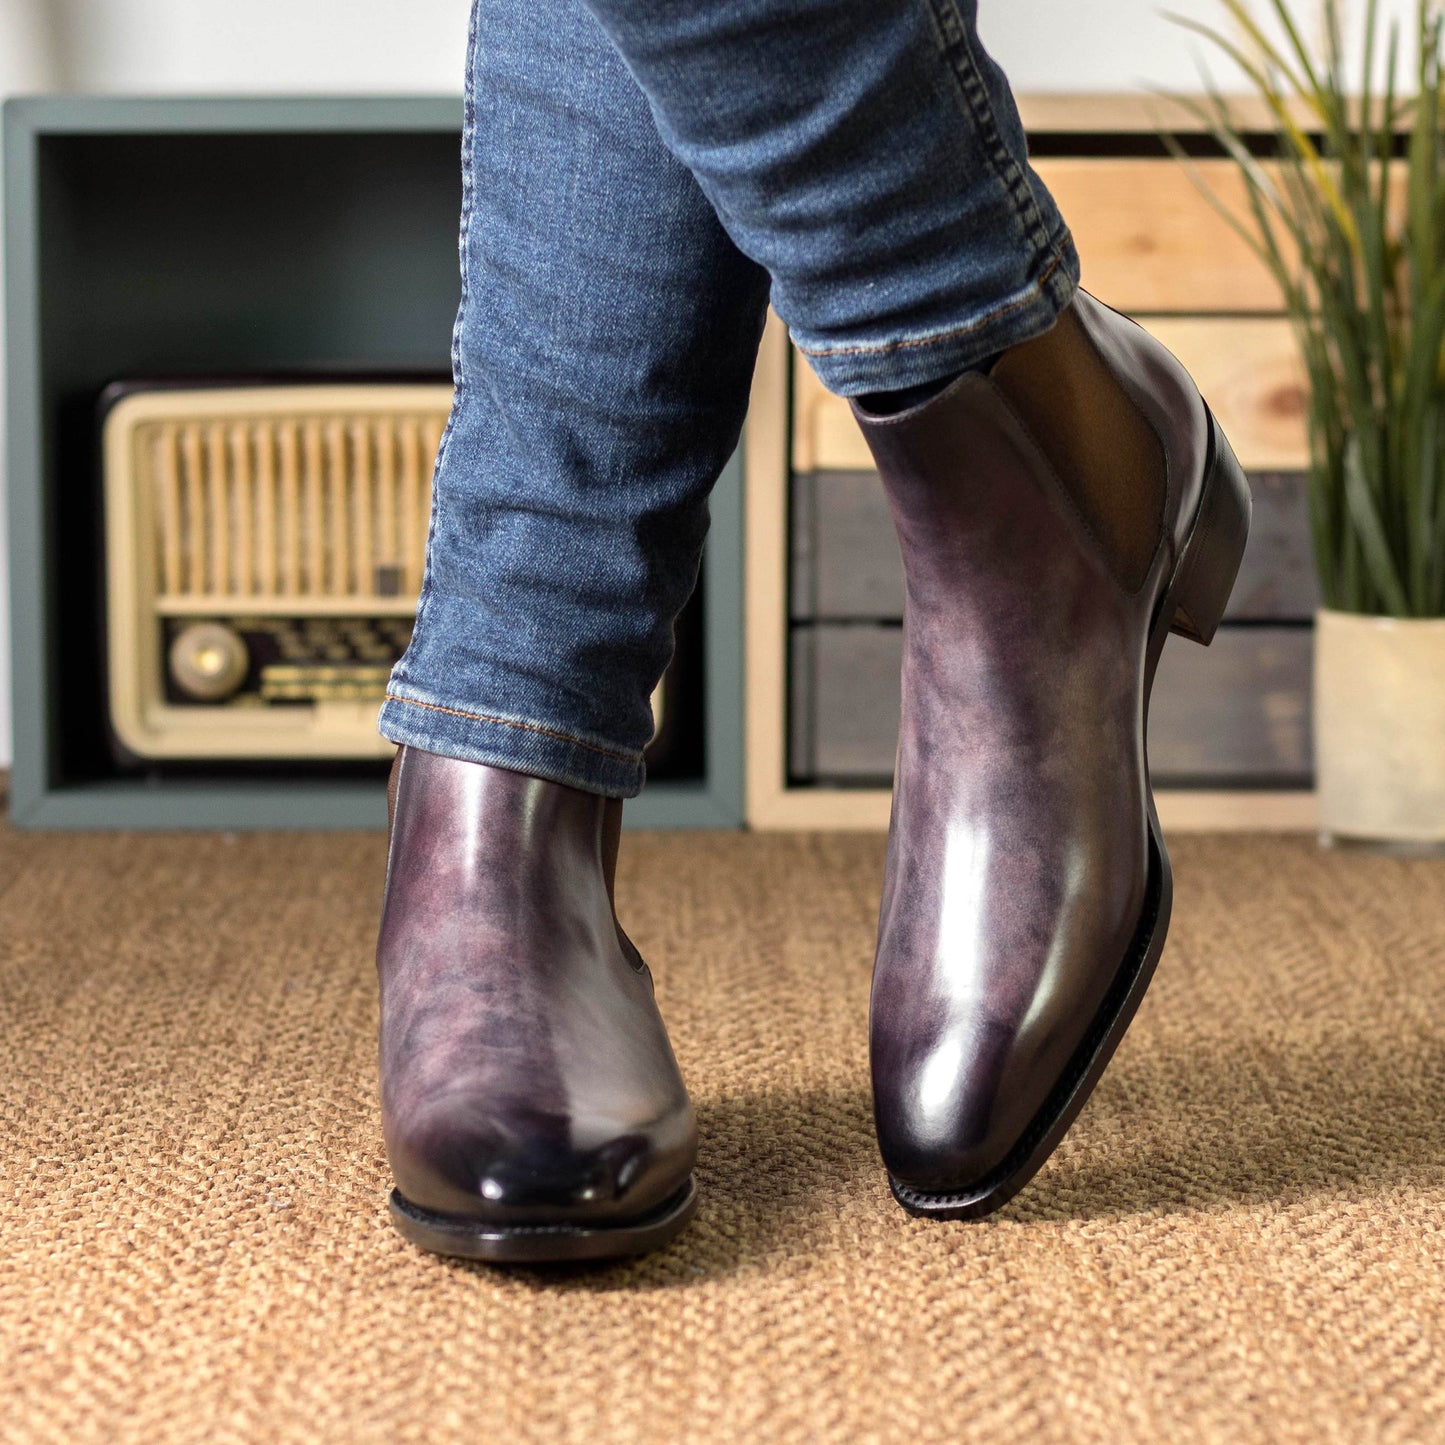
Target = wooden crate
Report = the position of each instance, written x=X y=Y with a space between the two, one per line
x=1230 y=742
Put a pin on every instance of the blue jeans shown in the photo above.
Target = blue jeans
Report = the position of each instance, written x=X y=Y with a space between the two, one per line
x=639 y=182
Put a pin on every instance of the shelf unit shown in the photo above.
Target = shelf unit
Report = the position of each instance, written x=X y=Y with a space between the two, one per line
x=1231 y=736
x=226 y=237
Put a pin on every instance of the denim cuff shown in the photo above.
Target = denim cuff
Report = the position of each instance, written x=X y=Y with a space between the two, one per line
x=522 y=745
x=967 y=342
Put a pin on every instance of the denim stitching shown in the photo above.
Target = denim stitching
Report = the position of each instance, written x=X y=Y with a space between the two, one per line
x=468 y=149
x=1037 y=290
x=469 y=183
x=507 y=722
x=957 y=48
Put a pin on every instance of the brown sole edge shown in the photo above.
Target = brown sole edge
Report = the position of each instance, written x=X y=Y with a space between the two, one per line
x=542 y=1243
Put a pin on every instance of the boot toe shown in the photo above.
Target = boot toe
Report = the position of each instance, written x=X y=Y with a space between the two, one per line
x=942 y=1121
x=943 y=1160
x=535 y=1172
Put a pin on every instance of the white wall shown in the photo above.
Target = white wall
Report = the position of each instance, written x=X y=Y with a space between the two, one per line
x=411 y=46
x=1064 y=45
x=417 y=45
x=200 y=46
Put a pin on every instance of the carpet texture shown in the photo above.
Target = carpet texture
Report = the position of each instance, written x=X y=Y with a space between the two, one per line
x=1243 y=1238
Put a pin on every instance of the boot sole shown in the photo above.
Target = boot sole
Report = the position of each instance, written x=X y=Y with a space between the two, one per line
x=542 y=1243
x=1191 y=606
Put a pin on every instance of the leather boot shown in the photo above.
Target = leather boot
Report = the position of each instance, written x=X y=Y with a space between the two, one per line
x=531 y=1104
x=1028 y=889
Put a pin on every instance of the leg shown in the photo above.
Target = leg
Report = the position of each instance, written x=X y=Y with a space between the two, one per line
x=871 y=157
x=531 y=1103
x=1062 y=505
x=603 y=354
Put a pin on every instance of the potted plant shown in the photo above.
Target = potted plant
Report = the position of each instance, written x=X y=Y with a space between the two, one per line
x=1348 y=213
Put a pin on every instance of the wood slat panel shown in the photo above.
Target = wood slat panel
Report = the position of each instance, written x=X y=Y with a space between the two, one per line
x=845 y=563
x=844 y=696
x=1248 y=370
x=1149 y=241
x=1251 y=374
x=1277 y=578
x=1237 y=711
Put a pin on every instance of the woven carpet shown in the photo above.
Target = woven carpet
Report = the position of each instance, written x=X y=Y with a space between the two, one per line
x=1243 y=1238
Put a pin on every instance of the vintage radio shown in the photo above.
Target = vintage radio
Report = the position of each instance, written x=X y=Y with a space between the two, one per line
x=264 y=550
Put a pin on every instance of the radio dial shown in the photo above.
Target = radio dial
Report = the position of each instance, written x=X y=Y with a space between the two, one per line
x=209 y=661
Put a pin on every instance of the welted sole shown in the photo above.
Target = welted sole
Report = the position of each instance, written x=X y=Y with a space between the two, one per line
x=542 y=1243
x=1191 y=606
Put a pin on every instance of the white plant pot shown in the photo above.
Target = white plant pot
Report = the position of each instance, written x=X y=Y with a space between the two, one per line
x=1379 y=726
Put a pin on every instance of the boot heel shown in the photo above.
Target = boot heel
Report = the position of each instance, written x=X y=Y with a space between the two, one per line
x=1206 y=572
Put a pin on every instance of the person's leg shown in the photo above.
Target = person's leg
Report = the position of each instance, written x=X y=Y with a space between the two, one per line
x=603 y=354
x=531 y=1104
x=1063 y=500
x=870 y=156
x=864 y=161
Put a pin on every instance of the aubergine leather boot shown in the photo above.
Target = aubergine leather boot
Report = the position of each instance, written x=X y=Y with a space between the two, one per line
x=532 y=1107
x=1027 y=886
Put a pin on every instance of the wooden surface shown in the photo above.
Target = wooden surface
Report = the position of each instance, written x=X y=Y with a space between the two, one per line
x=1236 y=712
x=1250 y=373
x=1277 y=578
x=1248 y=369
x=1150 y=242
x=1139 y=114
x=845 y=563
x=765 y=566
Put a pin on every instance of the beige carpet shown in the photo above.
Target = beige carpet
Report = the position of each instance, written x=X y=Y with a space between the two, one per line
x=1243 y=1239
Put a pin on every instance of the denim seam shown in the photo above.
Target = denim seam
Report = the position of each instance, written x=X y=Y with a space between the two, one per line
x=1037 y=288
x=507 y=722
x=469 y=185
x=958 y=51
x=468 y=149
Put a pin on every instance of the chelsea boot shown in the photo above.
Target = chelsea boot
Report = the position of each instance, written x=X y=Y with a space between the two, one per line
x=1058 y=517
x=532 y=1107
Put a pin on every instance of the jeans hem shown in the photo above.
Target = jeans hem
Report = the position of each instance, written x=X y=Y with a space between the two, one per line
x=934 y=355
x=503 y=740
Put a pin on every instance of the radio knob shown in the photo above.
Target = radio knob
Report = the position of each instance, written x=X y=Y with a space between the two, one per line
x=209 y=661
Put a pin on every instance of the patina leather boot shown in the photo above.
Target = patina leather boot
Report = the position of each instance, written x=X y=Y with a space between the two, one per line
x=1058 y=517
x=532 y=1107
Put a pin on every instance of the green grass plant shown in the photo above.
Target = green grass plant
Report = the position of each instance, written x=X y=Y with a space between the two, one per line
x=1348 y=214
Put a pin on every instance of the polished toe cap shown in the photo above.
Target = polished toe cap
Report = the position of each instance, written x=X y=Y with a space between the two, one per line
x=536 y=1171
x=946 y=1115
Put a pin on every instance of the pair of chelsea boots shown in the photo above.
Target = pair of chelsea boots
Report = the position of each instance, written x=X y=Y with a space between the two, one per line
x=1058 y=518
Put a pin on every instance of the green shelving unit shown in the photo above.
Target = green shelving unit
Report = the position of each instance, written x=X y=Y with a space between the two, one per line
x=233 y=237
